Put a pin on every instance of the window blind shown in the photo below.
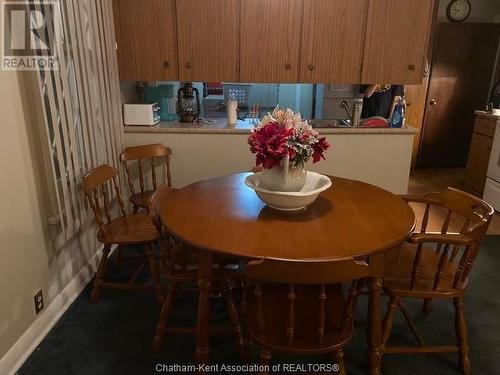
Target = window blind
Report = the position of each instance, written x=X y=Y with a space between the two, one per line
x=81 y=103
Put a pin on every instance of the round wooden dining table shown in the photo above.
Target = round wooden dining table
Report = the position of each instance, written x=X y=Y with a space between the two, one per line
x=351 y=219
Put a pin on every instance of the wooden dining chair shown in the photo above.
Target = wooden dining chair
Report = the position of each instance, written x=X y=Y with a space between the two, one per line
x=146 y=157
x=437 y=265
x=180 y=267
x=300 y=308
x=136 y=229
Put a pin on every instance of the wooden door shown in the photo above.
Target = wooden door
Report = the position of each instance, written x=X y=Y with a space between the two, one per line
x=461 y=72
x=415 y=109
x=270 y=40
x=332 y=40
x=146 y=39
x=208 y=40
x=477 y=165
x=397 y=36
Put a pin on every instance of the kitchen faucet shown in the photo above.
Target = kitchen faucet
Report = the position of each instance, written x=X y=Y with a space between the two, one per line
x=345 y=105
x=354 y=117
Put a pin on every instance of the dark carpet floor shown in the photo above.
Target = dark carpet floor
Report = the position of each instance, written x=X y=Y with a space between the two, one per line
x=114 y=336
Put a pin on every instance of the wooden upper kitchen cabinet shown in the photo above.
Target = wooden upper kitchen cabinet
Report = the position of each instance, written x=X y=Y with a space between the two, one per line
x=208 y=40
x=397 y=37
x=332 y=40
x=146 y=39
x=270 y=40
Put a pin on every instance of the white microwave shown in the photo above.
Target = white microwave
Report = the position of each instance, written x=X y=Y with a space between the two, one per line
x=142 y=114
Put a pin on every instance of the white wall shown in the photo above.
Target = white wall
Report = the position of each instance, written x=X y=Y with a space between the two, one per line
x=380 y=159
x=28 y=261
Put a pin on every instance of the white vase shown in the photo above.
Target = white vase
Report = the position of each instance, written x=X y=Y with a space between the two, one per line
x=283 y=178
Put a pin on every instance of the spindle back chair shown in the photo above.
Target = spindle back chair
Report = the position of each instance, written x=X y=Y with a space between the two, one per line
x=300 y=307
x=179 y=267
x=436 y=265
x=97 y=186
x=143 y=155
x=136 y=229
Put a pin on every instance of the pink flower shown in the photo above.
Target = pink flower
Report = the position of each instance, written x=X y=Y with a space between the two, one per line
x=285 y=133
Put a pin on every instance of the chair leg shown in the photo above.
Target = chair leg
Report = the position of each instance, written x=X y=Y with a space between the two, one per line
x=388 y=318
x=462 y=340
x=375 y=350
x=427 y=306
x=101 y=272
x=243 y=298
x=235 y=322
x=162 y=322
x=265 y=361
x=338 y=356
x=361 y=284
x=136 y=209
x=155 y=275
x=119 y=256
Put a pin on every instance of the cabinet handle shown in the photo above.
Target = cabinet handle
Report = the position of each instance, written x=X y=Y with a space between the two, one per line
x=310 y=67
x=166 y=64
x=433 y=101
x=188 y=65
x=411 y=67
x=288 y=66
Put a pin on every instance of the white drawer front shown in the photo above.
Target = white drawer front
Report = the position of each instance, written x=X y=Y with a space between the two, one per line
x=492 y=193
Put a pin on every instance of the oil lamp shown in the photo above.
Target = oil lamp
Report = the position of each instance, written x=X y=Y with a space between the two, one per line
x=188 y=102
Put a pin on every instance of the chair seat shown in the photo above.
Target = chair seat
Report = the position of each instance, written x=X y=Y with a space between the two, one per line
x=275 y=305
x=132 y=229
x=142 y=199
x=398 y=272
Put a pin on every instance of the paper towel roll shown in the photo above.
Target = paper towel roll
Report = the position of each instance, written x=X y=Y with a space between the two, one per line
x=232 y=113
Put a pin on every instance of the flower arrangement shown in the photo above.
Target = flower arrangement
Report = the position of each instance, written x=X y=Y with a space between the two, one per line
x=283 y=133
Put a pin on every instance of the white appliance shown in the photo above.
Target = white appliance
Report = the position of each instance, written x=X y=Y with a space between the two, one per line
x=142 y=114
x=492 y=186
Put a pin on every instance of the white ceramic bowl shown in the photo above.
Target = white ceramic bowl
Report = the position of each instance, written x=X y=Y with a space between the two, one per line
x=290 y=200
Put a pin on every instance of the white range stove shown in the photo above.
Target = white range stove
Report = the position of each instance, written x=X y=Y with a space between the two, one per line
x=492 y=186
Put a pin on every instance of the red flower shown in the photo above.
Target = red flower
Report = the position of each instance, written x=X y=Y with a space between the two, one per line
x=319 y=149
x=270 y=144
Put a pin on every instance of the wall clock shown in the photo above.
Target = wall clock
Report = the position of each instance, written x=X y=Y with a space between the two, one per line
x=458 y=10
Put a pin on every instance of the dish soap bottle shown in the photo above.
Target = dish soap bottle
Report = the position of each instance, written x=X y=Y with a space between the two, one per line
x=398 y=116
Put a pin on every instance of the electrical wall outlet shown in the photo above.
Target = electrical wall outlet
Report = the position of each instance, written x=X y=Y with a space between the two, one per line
x=38 y=299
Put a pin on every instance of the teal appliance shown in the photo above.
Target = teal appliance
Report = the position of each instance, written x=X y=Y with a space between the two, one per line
x=164 y=96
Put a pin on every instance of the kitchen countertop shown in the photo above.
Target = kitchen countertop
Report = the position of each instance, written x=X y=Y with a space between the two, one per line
x=487 y=114
x=220 y=126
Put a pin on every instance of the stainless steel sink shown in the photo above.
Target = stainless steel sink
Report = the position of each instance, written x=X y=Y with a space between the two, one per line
x=336 y=123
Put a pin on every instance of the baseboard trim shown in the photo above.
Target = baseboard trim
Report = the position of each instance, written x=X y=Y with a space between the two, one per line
x=31 y=338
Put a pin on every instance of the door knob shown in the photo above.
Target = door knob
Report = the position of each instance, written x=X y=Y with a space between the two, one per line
x=188 y=65
x=310 y=67
x=433 y=101
x=166 y=64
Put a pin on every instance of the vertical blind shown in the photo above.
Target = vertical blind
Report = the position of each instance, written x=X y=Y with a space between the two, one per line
x=81 y=102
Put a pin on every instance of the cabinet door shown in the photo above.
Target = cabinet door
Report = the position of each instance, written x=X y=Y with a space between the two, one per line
x=397 y=37
x=270 y=40
x=477 y=164
x=208 y=40
x=332 y=40
x=146 y=39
